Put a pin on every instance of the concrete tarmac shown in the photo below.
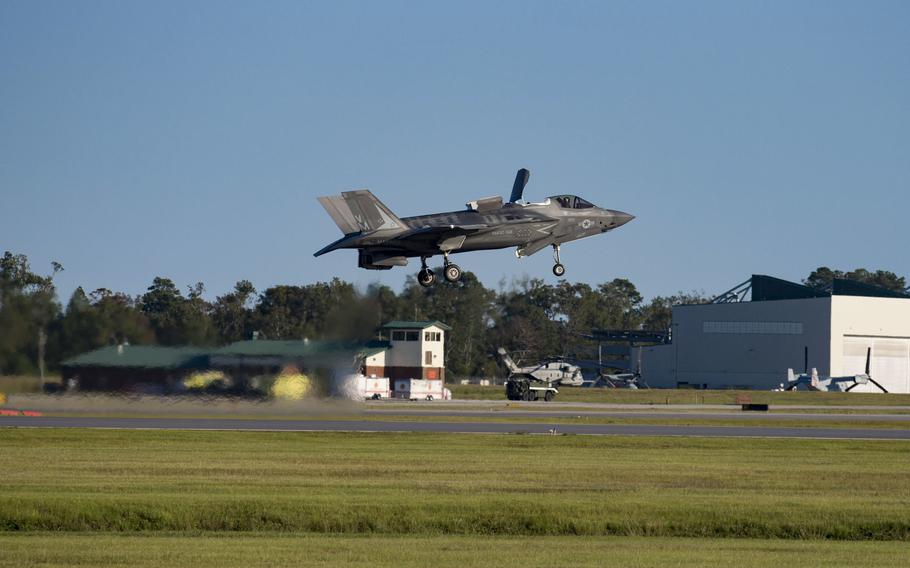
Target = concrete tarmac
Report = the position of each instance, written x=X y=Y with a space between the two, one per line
x=541 y=427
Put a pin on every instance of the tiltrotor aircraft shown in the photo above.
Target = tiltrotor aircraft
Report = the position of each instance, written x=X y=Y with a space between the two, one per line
x=816 y=382
x=385 y=240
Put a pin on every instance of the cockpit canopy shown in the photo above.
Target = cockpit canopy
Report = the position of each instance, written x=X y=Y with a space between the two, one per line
x=571 y=202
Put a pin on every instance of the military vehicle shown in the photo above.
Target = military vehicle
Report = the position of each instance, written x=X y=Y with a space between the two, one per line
x=540 y=380
x=384 y=240
x=520 y=388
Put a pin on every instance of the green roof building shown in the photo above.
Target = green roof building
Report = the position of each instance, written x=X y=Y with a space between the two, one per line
x=136 y=368
x=414 y=350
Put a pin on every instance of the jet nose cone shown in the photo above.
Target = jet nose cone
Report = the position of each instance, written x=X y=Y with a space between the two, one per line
x=619 y=218
x=622 y=218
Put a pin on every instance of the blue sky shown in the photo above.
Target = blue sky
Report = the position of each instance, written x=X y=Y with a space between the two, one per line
x=191 y=139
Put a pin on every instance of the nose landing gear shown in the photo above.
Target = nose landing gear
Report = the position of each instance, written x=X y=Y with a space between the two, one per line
x=558 y=268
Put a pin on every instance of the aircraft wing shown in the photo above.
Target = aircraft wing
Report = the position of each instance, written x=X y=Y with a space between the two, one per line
x=445 y=238
x=534 y=246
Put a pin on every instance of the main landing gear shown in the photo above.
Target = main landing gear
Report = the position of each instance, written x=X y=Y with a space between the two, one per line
x=426 y=277
x=452 y=272
x=558 y=268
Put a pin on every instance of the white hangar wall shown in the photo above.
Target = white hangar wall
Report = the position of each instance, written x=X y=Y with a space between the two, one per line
x=751 y=344
x=883 y=324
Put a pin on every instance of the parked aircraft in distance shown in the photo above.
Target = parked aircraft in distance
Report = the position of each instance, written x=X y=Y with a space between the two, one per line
x=385 y=240
x=553 y=370
x=814 y=381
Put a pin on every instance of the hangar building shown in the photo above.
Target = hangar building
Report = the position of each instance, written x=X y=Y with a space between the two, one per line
x=136 y=368
x=413 y=357
x=735 y=343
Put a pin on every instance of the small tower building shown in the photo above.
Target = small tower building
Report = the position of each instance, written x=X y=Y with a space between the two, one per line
x=416 y=351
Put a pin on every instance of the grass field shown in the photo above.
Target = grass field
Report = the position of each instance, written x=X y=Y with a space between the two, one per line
x=691 y=396
x=17 y=385
x=407 y=484
x=20 y=385
x=270 y=549
x=181 y=498
x=642 y=418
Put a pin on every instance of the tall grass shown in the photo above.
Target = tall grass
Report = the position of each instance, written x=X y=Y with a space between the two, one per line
x=432 y=484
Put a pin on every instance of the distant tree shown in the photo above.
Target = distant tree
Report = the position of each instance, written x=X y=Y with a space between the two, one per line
x=28 y=308
x=232 y=313
x=177 y=320
x=822 y=278
x=16 y=322
x=657 y=314
x=618 y=304
x=382 y=305
x=120 y=319
x=465 y=305
x=526 y=322
x=196 y=317
x=345 y=317
x=312 y=311
x=161 y=305
x=78 y=330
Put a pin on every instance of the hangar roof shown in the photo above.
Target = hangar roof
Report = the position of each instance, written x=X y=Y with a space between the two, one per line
x=301 y=349
x=415 y=325
x=141 y=356
x=762 y=288
x=161 y=357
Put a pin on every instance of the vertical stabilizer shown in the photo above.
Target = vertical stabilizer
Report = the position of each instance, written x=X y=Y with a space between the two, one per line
x=510 y=364
x=360 y=212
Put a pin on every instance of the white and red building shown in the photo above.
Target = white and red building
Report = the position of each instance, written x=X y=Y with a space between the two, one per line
x=414 y=362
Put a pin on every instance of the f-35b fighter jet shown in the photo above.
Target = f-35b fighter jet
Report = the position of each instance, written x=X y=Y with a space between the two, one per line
x=385 y=240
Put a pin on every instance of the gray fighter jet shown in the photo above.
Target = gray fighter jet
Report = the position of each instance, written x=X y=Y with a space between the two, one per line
x=385 y=240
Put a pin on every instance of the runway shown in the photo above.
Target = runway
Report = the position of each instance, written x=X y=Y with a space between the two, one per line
x=356 y=425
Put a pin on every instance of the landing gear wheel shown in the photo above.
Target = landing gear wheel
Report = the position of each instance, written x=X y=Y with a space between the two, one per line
x=426 y=278
x=452 y=272
x=558 y=268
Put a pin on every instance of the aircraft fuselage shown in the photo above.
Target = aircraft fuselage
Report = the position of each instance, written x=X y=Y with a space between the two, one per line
x=385 y=240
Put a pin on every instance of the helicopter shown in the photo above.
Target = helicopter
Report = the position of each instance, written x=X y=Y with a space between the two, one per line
x=553 y=371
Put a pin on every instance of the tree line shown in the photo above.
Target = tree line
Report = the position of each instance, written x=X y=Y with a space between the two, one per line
x=527 y=315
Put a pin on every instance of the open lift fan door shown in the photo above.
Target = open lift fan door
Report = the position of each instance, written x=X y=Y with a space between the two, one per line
x=890 y=365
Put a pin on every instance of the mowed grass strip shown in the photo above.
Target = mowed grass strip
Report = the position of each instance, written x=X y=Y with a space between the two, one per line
x=766 y=421
x=694 y=396
x=249 y=551
x=448 y=484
